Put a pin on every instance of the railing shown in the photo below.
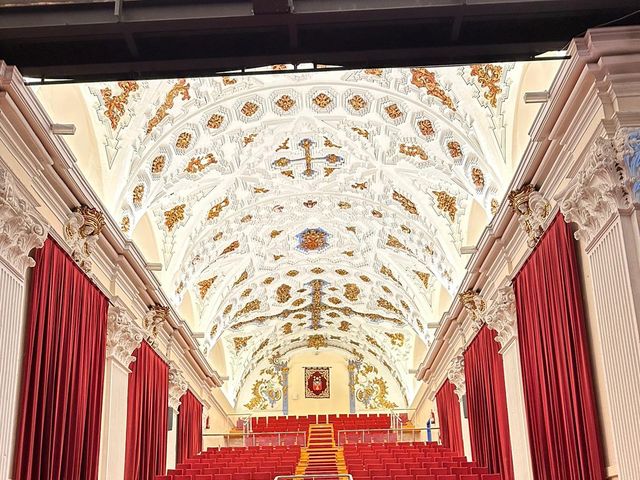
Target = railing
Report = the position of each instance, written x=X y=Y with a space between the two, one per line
x=385 y=435
x=318 y=475
x=270 y=439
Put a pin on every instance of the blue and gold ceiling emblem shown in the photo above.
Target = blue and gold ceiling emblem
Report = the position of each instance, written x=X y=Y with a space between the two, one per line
x=312 y=240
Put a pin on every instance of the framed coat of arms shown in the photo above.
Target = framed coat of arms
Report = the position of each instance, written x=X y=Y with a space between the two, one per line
x=316 y=381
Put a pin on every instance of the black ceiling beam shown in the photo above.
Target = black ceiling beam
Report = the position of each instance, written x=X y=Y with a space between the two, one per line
x=86 y=41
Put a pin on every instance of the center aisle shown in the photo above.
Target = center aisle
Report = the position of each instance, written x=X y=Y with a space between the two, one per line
x=321 y=456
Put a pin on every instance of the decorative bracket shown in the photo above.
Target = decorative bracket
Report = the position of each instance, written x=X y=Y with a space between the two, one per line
x=177 y=386
x=501 y=316
x=123 y=336
x=532 y=210
x=155 y=317
x=81 y=231
x=476 y=306
x=455 y=374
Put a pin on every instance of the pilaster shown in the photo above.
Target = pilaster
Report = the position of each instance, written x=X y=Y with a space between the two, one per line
x=177 y=388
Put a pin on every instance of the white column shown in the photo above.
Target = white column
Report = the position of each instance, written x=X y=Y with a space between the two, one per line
x=455 y=374
x=123 y=337
x=20 y=232
x=466 y=434
x=605 y=208
x=177 y=387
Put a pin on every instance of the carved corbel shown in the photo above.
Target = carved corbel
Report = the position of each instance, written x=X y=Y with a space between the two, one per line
x=532 y=210
x=455 y=374
x=501 y=315
x=20 y=228
x=152 y=320
x=123 y=336
x=476 y=306
x=177 y=386
x=81 y=231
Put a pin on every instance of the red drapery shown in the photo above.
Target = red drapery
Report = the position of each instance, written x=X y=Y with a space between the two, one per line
x=189 y=441
x=449 y=418
x=63 y=372
x=148 y=407
x=487 y=405
x=556 y=370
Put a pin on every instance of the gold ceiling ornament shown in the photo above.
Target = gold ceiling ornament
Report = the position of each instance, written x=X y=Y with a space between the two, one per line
x=288 y=173
x=446 y=275
x=115 y=106
x=407 y=204
x=351 y=229
x=205 y=285
x=329 y=144
x=138 y=194
x=283 y=293
x=292 y=273
x=268 y=280
x=494 y=206
x=376 y=213
x=227 y=309
x=278 y=257
x=428 y=249
x=387 y=271
x=477 y=177
x=283 y=146
x=310 y=203
x=446 y=203
x=125 y=224
x=489 y=76
x=198 y=164
x=216 y=210
x=217 y=236
x=230 y=248
x=322 y=100
x=181 y=87
x=215 y=121
x=157 y=165
x=299 y=316
x=423 y=78
x=405 y=229
x=301 y=290
x=351 y=292
x=249 y=109
x=264 y=343
x=361 y=132
x=282 y=162
x=342 y=271
x=387 y=305
x=275 y=233
x=455 y=150
x=246 y=218
x=297 y=302
x=426 y=128
x=174 y=216
x=287 y=328
x=184 y=140
x=344 y=205
x=359 y=185
x=213 y=331
x=396 y=339
x=240 y=342
x=364 y=278
x=424 y=277
x=317 y=341
x=357 y=102
x=473 y=303
x=155 y=316
x=348 y=253
x=376 y=72
x=246 y=293
x=372 y=341
x=334 y=300
x=393 y=111
x=249 y=139
x=532 y=210
x=180 y=288
x=260 y=190
x=317 y=270
x=285 y=103
x=333 y=315
x=344 y=326
x=251 y=306
x=328 y=171
x=386 y=289
x=393 y=242
x=229 y=80
x=243 y=277
x=404 y=304
x=419 y=323
x=413 y=151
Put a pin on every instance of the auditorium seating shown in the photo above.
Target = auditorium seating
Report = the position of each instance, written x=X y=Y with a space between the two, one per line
x=340 y=422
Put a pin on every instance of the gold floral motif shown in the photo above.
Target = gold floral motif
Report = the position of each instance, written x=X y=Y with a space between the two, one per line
x=249 y=139
x=231 y=247
x=217 y=236
x=281 y=162
x=275 y=233
x=227 y=309
x=357 y=102
x=277 y=257
x=229 y=81
x=215 y=211
x=158 y=164
x=264 y=343
x=180 y=288
x=298 y=316
x=205 y=285
x=351 y=229
x=341 y=271
x=287 y=328
x=351 y=292
x=198 y=164
x=181 y=87
x=329 y=144
x=287 y=173
x=344 y=326
x=215 y=121
x=283 y=293
x=424 y=277
x=423 y=78
x=316 y=341
x=249 y=109
x=359 y=186
x=184 y=140
x=387 y=305
x=477 y=177
x=116 y=105
x=396 y=339
x=333 y=315
x=426 y=128
x=310 y=203
x=428 y=249
x=292 y=273
x=393 y=242
x=283 y=146
x=317 y=270
x=376 y=213
x=334 y=300
x=386 y=289
x=213 y=331
x=372 y=341
x=322 y=100
x=489 y=76
x=364 y=278
x=376 y=72
x=393 y=111
x=297 y=302
x=413 y=151
x=407 y=204
x=240 y=342
x=251 y=306
x=494 y=206
x=268 y=280
x=348 y=253
x=286 y=103
x=454 y=149
x=241 y=278
x=361 y=132
x=405 y=229
x=138 y=194
x=328 y=171
x=344 y=205
x=447 y=203
x=246 y=218
x=125 y=224
x=387 y=271
x=420 y=326
x=260 y=190
x=246 y=293
x=404 y=304
x=174 y=216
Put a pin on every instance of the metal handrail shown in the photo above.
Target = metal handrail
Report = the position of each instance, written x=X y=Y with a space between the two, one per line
x=317 y=475
x=253 y=435
x=403 y=437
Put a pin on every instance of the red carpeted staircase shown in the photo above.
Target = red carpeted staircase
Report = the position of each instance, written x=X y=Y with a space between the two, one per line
x=321 y=456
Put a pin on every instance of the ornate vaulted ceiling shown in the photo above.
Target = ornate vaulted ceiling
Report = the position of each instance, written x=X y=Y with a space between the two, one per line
x=325 y=210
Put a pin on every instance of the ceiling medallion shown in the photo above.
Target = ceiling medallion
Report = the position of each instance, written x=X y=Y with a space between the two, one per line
x=478 y=178
x=316 y=341
x=454 y=149
x=322 y=100
x=184 y=140
x=215 y=121
x=306 y=144
x=426 y=128
x=249 y=109
x=357 y=102
x=157 y=166
x=312 y=240
x=285 y=103
x=393 y=111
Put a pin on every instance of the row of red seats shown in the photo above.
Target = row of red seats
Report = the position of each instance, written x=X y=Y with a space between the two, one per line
x=301 y=423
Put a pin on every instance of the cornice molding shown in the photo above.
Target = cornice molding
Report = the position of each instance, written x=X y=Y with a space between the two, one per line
x=123 y=336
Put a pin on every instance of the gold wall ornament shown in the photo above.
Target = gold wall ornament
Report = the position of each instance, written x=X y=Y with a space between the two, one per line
x=455 y=150
x=376 y=213
x=240 y=342
x=404 y=304
x=227 y=309
x=328 y=171
x=494 y=206
x=287 y=328
x=359 y=185
x=477 y=177
x=376 y=72
x=317 y=270
x=230 y=248
x=216 y=210
x=125 y=224
x=423 y=78
x=361 y=132
x=532 y=210
x=387 y=305
x=299 y=316
x=342 y=271
x=217 y=236
x=396 y=339
x=260 y=190
x=329 y=144
x=180 y=288
x=246 y=140
x=387 y=271
x=393 y=111
x=198 y=164
x=317 y=341
x=424 y=277
x=153 y=319
x=157 y=165
x=205 y=285
x=475 y=305
x=357 y=103
x=249 y=109
x=283 y=293
x=413 y=151
x=386 y=289
x=81 y=231
x=426 y=128
x=420 y=326
x=283 y=146
x=489 y=76
x=246 y=292
x=174 y=216
x=344 y=326
x=351 y=229
x=334 y=300
x=285 y=103
x=215 y=121
x=447 y=204
x=351 y=292
x=184 y=140
x=251 y=306
x=405 y=229
x=364 y=278
x=115 y=106
x=310 y=203
x=393 y=242
x=138 y=194
x=292 y=273
x=243 y=277
x=268 y=280
x=288 y=173
x=278 y=257
x=322 y=100
x=181 y=87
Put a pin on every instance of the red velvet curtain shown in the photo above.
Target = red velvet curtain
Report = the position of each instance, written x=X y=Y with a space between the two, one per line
x=556 y=370
x=189 y=442
x=487 y=405
x=449 y=418
x=58 y=435
x=148 y=408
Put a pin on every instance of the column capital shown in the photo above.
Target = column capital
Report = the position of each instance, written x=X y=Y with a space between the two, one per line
x=532 y=210
x=455 y=374
x=608 y=182
x=81 y=231
x=177 y=385
x=123 y=336
x=20 y=228
x=501 y=315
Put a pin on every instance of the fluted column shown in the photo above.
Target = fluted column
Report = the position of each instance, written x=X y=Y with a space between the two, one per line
x=20 y=232
x=603 y=203
x=177 y=388
x=123 y=337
